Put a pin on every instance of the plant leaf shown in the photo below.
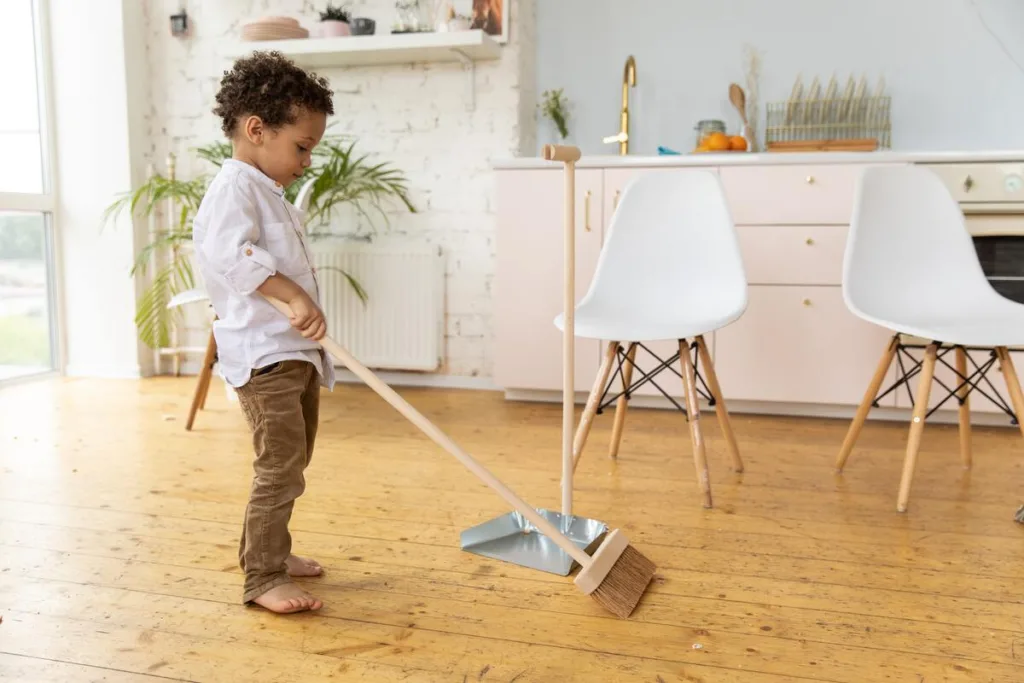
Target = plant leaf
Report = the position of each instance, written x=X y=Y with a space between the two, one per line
x=356 y=287
x=152 y=318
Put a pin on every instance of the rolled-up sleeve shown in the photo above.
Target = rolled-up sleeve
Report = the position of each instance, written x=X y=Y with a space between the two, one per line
x=231 y=230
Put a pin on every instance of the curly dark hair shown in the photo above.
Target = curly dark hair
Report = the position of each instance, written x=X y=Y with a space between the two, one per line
x=272 y=87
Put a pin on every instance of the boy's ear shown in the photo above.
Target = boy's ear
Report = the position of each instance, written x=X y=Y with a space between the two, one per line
x=254 y=130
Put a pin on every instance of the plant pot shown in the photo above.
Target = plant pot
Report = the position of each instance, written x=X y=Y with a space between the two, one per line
x=459 y=24
x=363 y=26
x=334 y=29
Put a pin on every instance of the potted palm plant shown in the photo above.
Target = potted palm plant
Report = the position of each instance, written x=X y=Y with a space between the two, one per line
x=341 y=178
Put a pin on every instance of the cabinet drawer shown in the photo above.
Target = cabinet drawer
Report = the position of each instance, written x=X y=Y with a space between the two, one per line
x=799 y=345
x=991 y=182
x=790 y=195
x=793 y=254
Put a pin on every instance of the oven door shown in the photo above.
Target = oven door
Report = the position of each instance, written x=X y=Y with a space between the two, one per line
x=999 y=243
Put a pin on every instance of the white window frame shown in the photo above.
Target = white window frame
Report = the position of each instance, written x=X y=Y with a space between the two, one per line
x=45 y=202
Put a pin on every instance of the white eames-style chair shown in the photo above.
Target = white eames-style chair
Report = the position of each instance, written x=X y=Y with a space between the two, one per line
x=910 y=266
x=670 y=269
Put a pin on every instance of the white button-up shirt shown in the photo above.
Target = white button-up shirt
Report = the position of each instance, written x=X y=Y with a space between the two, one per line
x=244 y=232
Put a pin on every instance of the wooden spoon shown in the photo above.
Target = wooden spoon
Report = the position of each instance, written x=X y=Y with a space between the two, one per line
x=739 y=100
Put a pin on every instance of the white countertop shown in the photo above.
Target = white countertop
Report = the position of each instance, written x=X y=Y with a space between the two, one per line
x=767 y=159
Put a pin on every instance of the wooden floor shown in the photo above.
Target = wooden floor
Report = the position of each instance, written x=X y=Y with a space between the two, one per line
x=118 y=537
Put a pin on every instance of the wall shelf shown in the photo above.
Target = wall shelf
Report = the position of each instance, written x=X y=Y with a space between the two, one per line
x=380 y=50
x=465 y=47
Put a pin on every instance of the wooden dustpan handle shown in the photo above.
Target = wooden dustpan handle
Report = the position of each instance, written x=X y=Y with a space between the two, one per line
x=568 y=155
x=442 y=440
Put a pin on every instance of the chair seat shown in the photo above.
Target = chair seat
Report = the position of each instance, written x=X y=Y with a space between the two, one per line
x=1002 y=325
x=189 y=296
x=641 y=326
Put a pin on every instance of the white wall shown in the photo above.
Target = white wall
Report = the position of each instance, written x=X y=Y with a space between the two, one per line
x=414 y=117
x=94 y=163
x=953 y=67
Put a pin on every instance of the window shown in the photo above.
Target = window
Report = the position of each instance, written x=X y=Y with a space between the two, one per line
x=27 y=311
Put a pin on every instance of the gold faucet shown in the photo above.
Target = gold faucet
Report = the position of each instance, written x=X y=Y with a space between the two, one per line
x=628 y=80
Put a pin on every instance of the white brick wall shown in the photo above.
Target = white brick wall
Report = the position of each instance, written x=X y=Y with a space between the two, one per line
x=412 y=116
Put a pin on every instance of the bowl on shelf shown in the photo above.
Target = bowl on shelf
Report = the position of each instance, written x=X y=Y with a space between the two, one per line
x=363 y=26
x=273 y=28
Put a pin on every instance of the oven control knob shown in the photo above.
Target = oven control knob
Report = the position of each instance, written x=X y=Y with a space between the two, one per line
x=1013 y=182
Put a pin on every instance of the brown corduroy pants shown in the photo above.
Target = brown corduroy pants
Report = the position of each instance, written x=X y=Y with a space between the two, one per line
x=281 y=403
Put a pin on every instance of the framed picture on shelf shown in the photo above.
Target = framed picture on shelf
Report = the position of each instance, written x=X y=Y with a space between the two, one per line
x=493 y=17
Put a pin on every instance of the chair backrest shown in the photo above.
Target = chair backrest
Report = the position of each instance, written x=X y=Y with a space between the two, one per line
x=909 y=254
x=671 y=246
x=303 y=197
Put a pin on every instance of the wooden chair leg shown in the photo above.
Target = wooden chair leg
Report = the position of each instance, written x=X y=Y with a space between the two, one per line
x=623 y=403
x=720 y=410
x=700 y=458
x=1012 y=384
x=204 y=389
x=593 y=401
x=924 y=388
x=212 y=362
x=203 y=383
x=965 y=407
x=865 y=404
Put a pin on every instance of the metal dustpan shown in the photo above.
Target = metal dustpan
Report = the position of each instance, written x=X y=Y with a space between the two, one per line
x=512 y=538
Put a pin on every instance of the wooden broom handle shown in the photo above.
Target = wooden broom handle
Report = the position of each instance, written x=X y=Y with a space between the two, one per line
x=442 y=440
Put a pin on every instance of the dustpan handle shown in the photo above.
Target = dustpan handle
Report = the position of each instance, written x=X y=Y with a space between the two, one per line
x=568 y=155
x=442 y=440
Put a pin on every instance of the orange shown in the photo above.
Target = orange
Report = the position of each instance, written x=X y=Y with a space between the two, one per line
x=717 y=142
x=738 y=143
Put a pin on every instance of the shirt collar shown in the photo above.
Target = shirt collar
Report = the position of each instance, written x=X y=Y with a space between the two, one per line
x=257 y=175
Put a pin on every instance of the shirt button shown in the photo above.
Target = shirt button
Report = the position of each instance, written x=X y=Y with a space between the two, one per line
x=248 y=252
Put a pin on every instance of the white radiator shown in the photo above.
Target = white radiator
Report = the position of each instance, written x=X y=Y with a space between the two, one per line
x=401 y=326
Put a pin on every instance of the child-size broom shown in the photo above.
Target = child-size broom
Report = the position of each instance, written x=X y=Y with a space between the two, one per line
x=616 y=576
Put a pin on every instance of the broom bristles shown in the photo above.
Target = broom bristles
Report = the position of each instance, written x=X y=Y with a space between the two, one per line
x=625 y=583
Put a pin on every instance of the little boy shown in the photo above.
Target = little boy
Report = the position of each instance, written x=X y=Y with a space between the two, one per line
x=249 y=243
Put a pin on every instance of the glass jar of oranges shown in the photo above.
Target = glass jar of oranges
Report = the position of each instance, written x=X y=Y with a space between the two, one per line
x=711 y=137
x=706 y=127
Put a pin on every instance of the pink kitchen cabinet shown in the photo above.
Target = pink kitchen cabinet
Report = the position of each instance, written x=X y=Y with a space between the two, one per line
x=529 y=283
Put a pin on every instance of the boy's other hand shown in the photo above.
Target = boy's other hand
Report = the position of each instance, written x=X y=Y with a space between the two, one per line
x=307 y=317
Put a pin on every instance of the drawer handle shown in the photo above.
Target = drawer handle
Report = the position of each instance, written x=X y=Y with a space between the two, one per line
x=810 y=180
x=968 y=183
x=810 y=241
x=807 y=302
x=586 y=211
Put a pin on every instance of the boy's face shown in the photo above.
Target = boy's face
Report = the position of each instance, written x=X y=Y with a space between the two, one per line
x=283 y=153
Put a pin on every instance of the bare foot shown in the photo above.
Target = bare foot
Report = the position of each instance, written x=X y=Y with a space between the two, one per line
x=288 y=598
x=301 y=566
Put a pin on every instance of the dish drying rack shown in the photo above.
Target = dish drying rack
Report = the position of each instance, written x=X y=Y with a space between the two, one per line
x=851 y=121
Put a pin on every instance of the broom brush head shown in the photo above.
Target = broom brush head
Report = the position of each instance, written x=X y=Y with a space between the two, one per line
x=617 y=576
